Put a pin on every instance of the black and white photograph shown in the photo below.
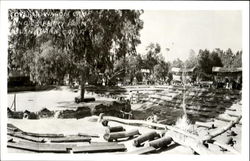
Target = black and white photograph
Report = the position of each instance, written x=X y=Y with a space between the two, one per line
x=116 y=81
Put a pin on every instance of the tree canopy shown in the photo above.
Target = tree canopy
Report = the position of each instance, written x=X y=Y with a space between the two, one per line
x=178 y=63
x=191 y=62
x=152 y=56
x=47 y=42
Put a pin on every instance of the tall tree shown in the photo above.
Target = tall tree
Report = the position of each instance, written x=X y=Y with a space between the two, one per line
x=215 y=59
x=204 y=62
x=152 y=56
x=237 y=59
x=87 y=36
x=177 y=63
x=230 y=59
x=161 y=70
x=192 y=60
x=227 y=58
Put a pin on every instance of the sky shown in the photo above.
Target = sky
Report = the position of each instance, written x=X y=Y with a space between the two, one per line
x=181 y=31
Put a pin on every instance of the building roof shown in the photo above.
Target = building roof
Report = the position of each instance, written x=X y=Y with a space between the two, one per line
x=226 y=70
x=176 y=69
x=145 y=70
x=179 y=70
x=188 y=70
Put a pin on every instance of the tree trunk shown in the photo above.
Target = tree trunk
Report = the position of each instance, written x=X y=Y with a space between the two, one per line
x=83 y=80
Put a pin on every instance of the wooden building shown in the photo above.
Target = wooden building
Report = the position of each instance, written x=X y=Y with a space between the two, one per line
x=230 y=77
x=18 y=78
x=178 y=74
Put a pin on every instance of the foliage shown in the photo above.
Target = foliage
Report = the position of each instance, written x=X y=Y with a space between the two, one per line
x=204 y=62
x=152 y=56
x=161 y=70
x=215 y=59
x=130 y=67
x=177 y=63
x=82 y=38
x=191 y=62
x=237 y=63
x=47 y=44
x=229 y=59
x=170 y=78
x=218 y=58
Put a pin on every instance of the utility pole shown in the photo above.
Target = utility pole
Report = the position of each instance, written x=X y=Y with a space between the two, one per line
x=15 y=102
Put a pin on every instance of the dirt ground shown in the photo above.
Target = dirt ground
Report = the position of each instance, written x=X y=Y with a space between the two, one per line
x=91 y=126
x=56 y=99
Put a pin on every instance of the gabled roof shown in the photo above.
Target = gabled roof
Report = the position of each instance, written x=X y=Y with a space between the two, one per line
x=145 y=70
x=176 y=69
x=226 y=70
x=179 y=70
x=188 y=70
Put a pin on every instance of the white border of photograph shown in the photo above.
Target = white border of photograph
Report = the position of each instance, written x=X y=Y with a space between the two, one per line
x=148 y=5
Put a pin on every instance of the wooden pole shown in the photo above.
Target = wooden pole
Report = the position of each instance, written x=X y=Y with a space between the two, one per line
x=88 y=135
x=143 y=150
x=38 y=147
x=161 y=142
x=26 y=137
x=100 y=117
x=226 y=119
x=205 y=124
x=232 y=114
x=195 y=144
x=118 y=135
x=221 y=130
x=70 y=139
x=15 y=102
x=147 y=136
x=149 y=124
x=180 y=136
x=43 y=135
x=82 y=87
x=99 y=148
x=114 y=129
x=134 y=122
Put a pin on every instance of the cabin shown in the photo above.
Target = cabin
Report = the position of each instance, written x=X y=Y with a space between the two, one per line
x=178 y=73
x=228 y=77
x=18 y=78
x=221 y=74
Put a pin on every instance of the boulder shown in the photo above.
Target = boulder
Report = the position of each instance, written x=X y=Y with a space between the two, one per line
x=30 y=115
x=111 y=108
x=45 y=113
x=14 y=114
x=80 y=112
x=90 y=99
